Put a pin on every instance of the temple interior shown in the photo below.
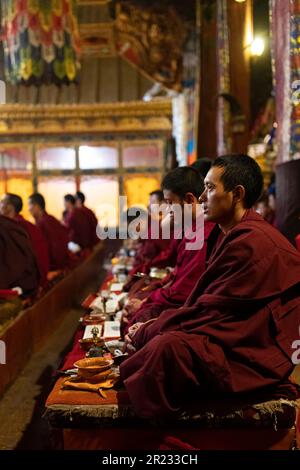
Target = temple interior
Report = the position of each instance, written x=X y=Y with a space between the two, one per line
x=107 y=109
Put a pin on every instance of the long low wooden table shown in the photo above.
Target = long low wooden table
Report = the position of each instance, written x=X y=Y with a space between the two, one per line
x=29 y=330
x=87 y=421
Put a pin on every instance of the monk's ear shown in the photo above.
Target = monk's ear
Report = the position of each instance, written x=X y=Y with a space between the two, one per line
x=239 y=193
x=189 y=198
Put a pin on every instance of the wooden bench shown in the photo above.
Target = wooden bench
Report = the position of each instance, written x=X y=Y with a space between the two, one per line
x=29 y=330
x=88 y=421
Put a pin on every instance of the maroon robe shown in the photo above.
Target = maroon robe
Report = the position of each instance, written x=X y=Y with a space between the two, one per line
x=165 y=258
x=18 y=265
x=78 y=226
x=56 y=236
x=298 y=242
x=93 y=222
x=39 y=245
x=189 y=268
x=147 y=250
x=234 y=334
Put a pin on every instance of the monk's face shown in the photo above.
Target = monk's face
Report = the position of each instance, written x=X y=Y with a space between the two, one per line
x=33 y=209
x=172 y=199
x=5 y=208
x=217 y=204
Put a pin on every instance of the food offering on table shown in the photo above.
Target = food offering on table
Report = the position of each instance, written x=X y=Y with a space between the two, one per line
x=93 y=319
x=93 y=367
x=94 y=375
x=92 y=337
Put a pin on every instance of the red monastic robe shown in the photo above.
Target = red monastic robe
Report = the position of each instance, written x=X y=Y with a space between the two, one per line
x=93 y=222
x=165 y=258
x=189 y=268
x=56 y=236
x=298 y=242
x=18 y=264
x=78 y=226
x=39 y=245
x=234 y=334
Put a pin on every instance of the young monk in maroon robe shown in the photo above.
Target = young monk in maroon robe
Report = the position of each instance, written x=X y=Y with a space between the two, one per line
x=11 y=205
x=235 y=333
x=181 y=186
x=148 y=248
x=18 y=264
x=54 y=232
x=77 y=223
x=92 y=219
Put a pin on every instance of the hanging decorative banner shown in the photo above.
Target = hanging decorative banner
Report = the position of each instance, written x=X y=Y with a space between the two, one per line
x=295 y=76
x=285 y=21
x=223 y=62
x=41 y=41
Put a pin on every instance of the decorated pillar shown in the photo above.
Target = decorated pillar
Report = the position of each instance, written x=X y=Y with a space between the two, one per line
x=207 y=131
x=285 y=21
x=223 y=80
x=226 y=34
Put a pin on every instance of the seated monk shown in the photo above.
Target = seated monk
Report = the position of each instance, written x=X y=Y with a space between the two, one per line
x=168 y=257
x=92 y=219
x=54 y=232
x=149 y=247
x=11 y=205
x=235 y=333
x=77 y=223
x=181 y=186
x=17 y=260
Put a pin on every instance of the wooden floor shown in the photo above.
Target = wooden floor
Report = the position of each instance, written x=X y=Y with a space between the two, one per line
x=21 y=408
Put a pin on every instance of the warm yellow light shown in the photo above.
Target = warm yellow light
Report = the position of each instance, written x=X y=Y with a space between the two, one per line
x=257 y=47
x=240 y=1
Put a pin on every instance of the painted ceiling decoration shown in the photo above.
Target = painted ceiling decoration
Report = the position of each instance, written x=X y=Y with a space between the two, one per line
x=152 y=39
x=41 y=41
x=43 y=38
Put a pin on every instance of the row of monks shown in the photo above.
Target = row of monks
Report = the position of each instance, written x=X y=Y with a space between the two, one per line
x=226 y=320
x=30 y=252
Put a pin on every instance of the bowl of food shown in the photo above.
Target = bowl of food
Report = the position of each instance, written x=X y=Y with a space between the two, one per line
x=92 y=366
x=87 y=343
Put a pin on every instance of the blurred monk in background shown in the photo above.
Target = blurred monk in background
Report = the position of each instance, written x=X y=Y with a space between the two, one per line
x=11 y=206
x=54 y=232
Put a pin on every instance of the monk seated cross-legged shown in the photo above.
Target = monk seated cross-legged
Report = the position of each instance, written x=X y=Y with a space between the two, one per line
x=149 y=248
x=235 y=333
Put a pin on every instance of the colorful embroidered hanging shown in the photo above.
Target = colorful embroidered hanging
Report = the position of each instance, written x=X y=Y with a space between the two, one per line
x=295 y=74
x=223 y=74
x=41 y=41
